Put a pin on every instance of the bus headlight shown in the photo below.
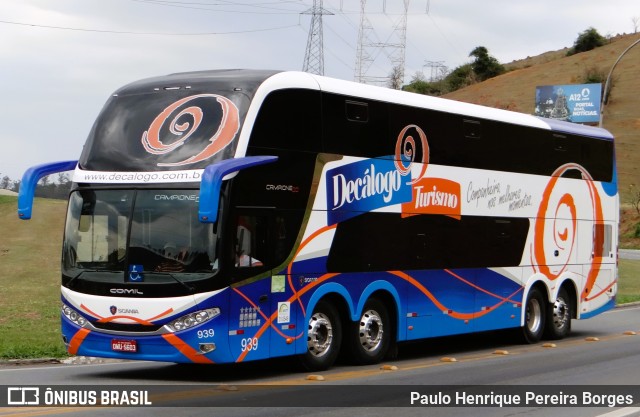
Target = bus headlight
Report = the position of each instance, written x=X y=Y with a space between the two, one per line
x=192 y=319
x=73 y=315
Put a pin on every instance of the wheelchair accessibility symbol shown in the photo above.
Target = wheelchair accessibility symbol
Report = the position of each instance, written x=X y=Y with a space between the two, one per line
x=135 y=273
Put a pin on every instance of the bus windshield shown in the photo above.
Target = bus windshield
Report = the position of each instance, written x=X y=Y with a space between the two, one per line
x=137 y=236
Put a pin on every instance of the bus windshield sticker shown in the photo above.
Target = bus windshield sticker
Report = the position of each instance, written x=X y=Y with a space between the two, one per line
x=284 y=309
x=135 y=273
x=277 y=283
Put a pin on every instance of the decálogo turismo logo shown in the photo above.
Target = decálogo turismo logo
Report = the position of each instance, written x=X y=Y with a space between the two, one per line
x=370 y=184
x=364 y=186
x=434 y=196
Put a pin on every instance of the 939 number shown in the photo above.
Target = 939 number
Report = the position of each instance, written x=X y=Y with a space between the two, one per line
x=204 y=334
x=248 y=344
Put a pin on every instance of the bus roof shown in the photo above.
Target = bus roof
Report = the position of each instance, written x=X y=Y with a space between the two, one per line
x=301 y=80
x=270 y=80
x=226 y=101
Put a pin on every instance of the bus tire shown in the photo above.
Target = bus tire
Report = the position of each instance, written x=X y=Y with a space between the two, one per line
x=370 y=337
x=534 y=317
x=559 y=316
x=324 y=337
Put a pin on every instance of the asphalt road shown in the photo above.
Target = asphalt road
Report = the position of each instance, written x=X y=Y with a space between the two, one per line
x=272 y=388
x=629 y=253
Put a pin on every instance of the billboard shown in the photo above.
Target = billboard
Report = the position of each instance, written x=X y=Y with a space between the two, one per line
x=578 y=103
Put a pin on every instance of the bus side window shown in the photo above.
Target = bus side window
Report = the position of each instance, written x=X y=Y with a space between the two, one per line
x=250 y=245
x=472 y=129
x=602 y=240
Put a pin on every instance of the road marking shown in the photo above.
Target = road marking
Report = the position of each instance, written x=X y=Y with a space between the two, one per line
x=30 y=411
x=623 y=412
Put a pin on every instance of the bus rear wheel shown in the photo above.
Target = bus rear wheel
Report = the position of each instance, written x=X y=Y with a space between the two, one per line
x=370 y=337
x=559 y=316
x=324 y=337
x=534 y=319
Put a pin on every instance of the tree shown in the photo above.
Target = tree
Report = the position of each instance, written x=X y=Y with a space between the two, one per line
x=484 y=65
x=5 y=183
x=396 y=78
x=586 y=41
x=460 y=77
x=421 y=86
x=634 y=197
x=63 y=178
x=482 y=68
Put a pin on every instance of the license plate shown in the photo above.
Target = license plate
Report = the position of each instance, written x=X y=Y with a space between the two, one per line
x=130 y=346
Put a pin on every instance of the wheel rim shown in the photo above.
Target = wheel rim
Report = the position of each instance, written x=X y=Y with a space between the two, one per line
x=560 y=313
x=370 y=330
x=534 y=315
x=320 y=335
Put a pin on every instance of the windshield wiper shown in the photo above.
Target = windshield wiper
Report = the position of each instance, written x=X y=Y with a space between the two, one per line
x=78 y=275
x=184 y=284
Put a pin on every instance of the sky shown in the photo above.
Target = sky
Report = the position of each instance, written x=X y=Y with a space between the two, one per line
x=60 y=60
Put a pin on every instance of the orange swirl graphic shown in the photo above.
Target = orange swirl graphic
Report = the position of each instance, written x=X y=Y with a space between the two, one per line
x=406 y=147
x=443 y=308
x=227 y=130
x=564 y=238
x=302 y=245
x=457 y=315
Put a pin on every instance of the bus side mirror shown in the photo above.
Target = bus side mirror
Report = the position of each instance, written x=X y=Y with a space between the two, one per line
x=30 y=180
x=211 y=182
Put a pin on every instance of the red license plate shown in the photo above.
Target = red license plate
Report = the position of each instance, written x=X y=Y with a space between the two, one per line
x=130 y=346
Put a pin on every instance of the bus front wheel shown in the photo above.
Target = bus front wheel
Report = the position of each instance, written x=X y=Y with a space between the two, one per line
x=324 y=337
x=534 y=319
x=370 y=337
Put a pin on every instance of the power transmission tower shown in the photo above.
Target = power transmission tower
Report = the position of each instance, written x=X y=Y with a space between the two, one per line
x=314 y=54
x=438 y=70
x=369 y=49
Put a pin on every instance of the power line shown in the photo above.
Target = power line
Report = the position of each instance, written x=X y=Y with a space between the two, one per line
x=213 y=7
x=117 y=32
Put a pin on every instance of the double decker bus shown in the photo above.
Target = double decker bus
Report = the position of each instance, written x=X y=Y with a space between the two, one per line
x=236 y=215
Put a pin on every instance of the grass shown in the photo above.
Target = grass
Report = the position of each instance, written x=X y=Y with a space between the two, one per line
x=30 y=280
x=629 y=281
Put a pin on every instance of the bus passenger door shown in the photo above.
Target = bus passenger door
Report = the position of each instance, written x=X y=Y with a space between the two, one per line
x=262 y=323
x=250 y=301
x=601 y=270
x=283 y=327
x=248 y=332
x=284 y=228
